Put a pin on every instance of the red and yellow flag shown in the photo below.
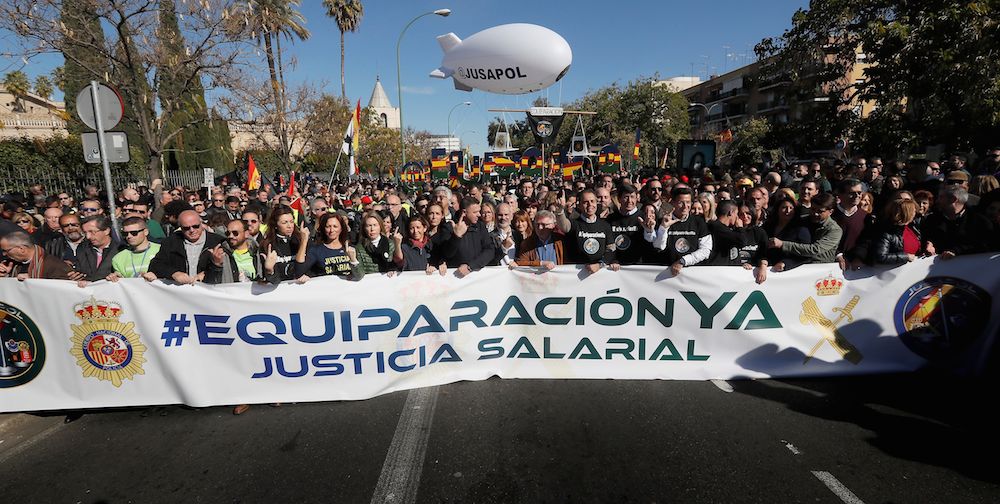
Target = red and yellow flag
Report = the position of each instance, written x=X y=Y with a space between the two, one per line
x=253 y=175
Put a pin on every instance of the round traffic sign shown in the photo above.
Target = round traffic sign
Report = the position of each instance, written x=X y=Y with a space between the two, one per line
x=111 y=104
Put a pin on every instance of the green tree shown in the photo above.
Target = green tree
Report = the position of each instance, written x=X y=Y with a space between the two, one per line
x=925 y=68
x=43 y=87
x=196 y=145
x=120 y=41
x=59 y=77
x=347 y=14
x=16 y=83
x=84 y=60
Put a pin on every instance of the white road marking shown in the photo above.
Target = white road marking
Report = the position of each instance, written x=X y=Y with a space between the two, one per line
x=723 y=385
x=28 y=443
x=791 y=448
x=837 y=487
x=400 y=478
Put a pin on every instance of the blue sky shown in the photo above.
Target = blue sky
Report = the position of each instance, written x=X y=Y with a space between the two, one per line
x=611 y=41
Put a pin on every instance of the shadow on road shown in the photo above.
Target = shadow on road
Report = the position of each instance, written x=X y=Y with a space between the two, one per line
x=929 y=416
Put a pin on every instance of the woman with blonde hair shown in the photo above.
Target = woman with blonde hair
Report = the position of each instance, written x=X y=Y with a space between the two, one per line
x=983 y=184
x=25 y=222
x=708 y=205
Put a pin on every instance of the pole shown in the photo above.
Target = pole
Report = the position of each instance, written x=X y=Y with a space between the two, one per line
x=104 y=157
x=335 y=165
x=543 y=162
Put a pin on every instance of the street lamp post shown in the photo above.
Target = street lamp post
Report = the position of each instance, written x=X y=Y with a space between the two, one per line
x=449 y=118
x=708 y=111
x=399 y=86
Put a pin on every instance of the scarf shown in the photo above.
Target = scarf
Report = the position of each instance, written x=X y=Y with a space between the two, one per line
x=34 y=265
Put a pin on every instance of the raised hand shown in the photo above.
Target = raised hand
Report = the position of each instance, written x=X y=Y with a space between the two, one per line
x=460 y=226
x=271 y=259
x=217 y=254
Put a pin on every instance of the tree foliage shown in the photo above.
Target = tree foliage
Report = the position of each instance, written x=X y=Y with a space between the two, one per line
x=16 y=83
x=43 y=87
x=121 y=41
x=932 y=68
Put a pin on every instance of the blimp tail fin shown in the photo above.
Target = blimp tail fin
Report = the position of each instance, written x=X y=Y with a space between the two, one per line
x=449 y=41
x=461 y=87
x=441 y=73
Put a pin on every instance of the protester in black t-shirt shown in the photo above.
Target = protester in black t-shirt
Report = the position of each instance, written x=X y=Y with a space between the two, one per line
x=330 y=255
x=630 y=247
x=736 y=245
x=684 y=237
x=590 y=237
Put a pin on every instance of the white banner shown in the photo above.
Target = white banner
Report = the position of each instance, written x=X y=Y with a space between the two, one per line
x=133 y=343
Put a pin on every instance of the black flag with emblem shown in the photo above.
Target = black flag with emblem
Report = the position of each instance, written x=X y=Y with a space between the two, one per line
x=545 y=127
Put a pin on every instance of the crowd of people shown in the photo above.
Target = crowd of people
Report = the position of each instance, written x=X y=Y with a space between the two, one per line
x=855 y=212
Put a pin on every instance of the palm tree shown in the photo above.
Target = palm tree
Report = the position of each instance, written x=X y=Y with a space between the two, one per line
x=43 y=87
x=16 y=83
x=347 y=14
x=269 y=21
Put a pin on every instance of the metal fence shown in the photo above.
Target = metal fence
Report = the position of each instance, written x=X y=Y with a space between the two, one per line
x=18 y=181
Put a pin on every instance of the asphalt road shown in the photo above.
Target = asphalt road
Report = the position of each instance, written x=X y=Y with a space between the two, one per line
x=892 y=439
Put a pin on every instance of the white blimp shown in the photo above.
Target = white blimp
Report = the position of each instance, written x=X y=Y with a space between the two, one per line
x=507 y=59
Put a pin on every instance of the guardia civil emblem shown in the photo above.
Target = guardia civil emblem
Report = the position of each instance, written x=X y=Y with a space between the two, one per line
x=105 y=347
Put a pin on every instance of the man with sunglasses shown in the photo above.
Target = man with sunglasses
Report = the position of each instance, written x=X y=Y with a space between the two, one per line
x=849 y=215
x=66 y=246
x=242 y=260
x=191 y=254
x=89 y=207
x=134 y=262
x=653 y=194
x=253 y=221
x=67 y=203
x=141 y=210
x=960 y=178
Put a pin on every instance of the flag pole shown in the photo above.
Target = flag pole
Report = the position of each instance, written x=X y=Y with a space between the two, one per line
x=335 y=165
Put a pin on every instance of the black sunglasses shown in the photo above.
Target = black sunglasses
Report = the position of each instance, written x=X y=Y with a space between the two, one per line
x=134 y=233
x=189 y=228
x=233 y=233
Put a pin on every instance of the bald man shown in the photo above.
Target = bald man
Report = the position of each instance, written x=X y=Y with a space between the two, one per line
x=190 y=254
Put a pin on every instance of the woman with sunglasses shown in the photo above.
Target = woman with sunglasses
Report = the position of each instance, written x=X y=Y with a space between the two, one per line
x=25 y=222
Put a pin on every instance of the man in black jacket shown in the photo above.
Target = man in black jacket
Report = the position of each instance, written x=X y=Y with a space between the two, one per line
x=94 y=256
x=955 y=230
x=471 y=246
x=191 y=254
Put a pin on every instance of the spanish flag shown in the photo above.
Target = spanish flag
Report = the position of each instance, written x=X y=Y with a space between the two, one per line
x=726 y=135
x=253 y=175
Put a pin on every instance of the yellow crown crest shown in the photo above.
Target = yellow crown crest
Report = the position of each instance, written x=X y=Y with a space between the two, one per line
x=94 y=310
x=828 y=286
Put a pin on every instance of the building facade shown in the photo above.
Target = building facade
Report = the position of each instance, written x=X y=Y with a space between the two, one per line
x=761 y=90
x=30 y=116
